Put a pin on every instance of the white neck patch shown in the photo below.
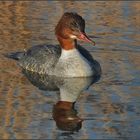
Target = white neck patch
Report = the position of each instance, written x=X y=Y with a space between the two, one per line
x=69 y=53
x=73 y=36
x=72 y=64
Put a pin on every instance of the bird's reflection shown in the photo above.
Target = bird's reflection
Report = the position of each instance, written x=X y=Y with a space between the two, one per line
x=66 y=116
x=64 y=112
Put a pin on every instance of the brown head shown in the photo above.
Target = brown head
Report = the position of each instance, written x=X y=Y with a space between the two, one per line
x=71 y=27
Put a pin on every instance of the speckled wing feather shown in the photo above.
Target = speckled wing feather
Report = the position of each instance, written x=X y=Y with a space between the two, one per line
x=41 y=58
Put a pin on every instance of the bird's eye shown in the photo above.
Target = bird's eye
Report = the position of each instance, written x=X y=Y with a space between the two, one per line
x=73 y=25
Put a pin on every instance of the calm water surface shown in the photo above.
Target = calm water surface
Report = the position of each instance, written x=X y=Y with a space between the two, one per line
x=110 y=108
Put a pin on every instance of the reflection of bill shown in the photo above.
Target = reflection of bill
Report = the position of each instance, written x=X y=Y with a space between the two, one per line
x=64 y=114
x=66 y=117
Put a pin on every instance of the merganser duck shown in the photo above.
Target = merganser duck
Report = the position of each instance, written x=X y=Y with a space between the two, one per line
x=65 y=60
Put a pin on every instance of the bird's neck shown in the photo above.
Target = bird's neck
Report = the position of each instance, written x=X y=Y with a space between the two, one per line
x=67 y=44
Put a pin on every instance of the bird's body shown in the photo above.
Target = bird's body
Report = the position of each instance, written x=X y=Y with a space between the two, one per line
x=52 y=60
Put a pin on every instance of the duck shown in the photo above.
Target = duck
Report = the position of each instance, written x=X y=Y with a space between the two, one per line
x=68 y=59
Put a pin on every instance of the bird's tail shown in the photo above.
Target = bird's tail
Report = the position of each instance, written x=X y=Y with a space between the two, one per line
x=15 y=55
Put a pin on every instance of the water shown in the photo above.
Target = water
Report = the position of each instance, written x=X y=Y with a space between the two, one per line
x=110 y=108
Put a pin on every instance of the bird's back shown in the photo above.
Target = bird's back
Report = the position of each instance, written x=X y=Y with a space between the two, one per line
x=40 y=58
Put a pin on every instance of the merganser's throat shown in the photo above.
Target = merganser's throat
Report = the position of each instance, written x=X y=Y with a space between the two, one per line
x=67 y=44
